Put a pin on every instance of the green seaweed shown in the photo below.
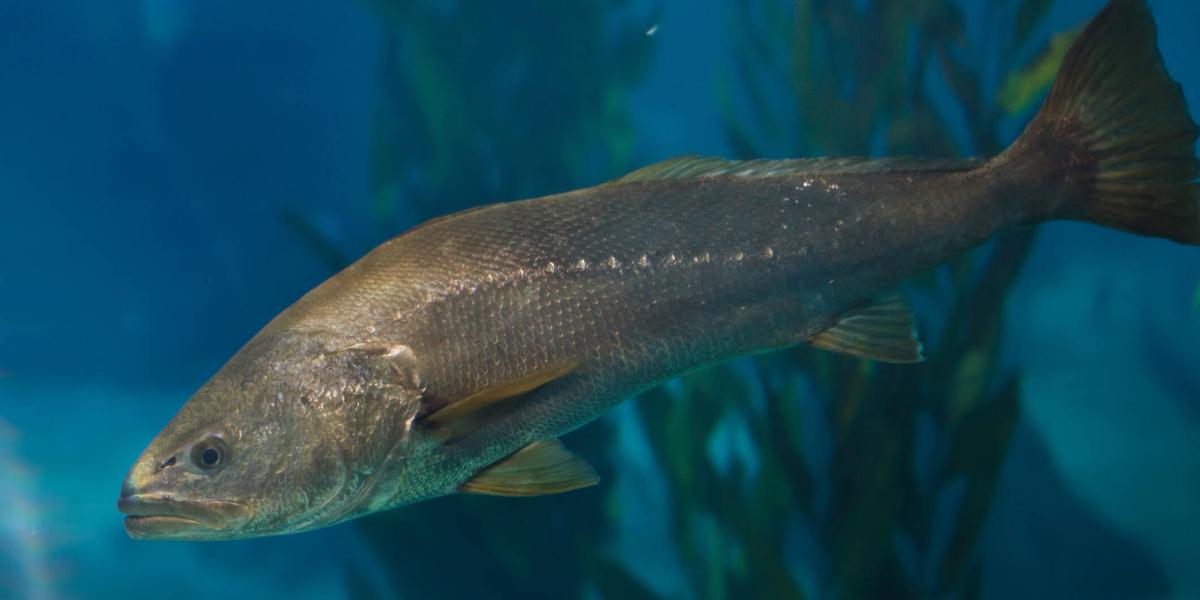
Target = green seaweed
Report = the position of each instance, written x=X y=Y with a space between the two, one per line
x=1025 y=86
x=907 y=445
x=461 y=88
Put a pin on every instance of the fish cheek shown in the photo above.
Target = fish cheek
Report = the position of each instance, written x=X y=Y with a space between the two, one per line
x=301 y=482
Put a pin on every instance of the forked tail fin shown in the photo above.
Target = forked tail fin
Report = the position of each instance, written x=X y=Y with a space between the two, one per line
x=1119 y=126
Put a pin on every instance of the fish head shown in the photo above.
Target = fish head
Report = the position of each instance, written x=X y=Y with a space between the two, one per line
x=278 y=441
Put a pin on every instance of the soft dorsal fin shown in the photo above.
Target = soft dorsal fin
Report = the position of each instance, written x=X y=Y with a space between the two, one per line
x=884 y=330
x=466 y=415
x=543 y=467
x=685 y=167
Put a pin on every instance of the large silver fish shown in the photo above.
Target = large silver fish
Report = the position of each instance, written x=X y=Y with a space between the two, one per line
x=451 y=358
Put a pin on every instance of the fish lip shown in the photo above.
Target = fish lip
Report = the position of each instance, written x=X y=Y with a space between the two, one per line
x=152 y=516
x=155 y=527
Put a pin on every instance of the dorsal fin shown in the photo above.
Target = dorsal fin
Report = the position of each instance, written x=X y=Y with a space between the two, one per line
x=459 y=418
x=543 y=467
x=685 y=167
x=884 y=330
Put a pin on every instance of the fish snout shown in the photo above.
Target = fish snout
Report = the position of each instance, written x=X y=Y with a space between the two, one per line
x=128 y=489
x=148 y=474
x=155 y=509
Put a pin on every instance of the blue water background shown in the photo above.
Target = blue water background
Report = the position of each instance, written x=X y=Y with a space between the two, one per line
x=146 y=149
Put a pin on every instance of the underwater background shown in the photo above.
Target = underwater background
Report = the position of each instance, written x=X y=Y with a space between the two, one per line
x=173 y=173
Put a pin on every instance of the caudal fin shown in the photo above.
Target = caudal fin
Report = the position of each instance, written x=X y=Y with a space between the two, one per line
x=1119 y=125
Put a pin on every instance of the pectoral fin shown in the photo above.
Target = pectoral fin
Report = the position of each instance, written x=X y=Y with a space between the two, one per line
x=543 y=467
x=459 y=418
x=884 y=331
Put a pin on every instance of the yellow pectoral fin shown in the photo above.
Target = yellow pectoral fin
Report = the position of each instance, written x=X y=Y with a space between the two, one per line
x=884 y=331
x=543 y=467
x=466 y=415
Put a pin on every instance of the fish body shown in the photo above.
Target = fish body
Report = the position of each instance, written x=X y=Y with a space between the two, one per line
x=635 y=282
x=452 y=357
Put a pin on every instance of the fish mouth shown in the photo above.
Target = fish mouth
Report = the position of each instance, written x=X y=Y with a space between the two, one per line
x=161 y=517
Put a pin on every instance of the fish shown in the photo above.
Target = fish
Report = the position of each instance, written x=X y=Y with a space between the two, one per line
x=452 y=358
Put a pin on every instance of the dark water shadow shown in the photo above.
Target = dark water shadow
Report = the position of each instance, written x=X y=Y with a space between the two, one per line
x=1177 y=372
x=1044 y=540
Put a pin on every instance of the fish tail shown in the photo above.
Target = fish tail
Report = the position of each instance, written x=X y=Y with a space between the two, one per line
x=1117 y=127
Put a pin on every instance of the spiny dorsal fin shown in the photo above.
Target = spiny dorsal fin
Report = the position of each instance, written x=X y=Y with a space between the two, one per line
x=466 y=415
x=884 y=331
x=685 y=167
x=543 y=467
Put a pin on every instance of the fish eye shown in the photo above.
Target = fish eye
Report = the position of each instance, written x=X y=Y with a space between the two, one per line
x=209 y=454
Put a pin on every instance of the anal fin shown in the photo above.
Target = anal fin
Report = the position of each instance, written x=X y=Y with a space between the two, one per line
x=884 y=330
x=543 y=467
